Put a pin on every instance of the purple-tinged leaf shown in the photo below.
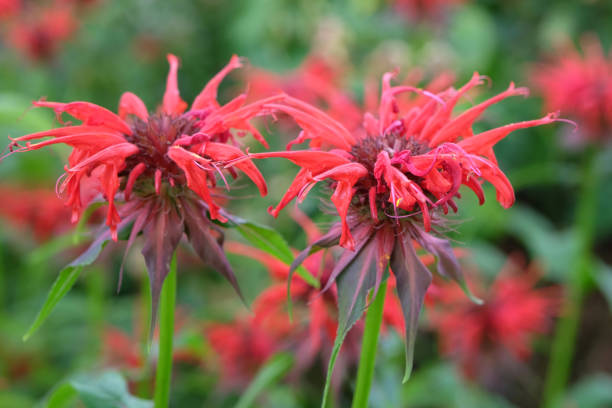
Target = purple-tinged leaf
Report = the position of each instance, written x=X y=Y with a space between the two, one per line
x=354 y=282
x=206 y=244
x=139 y=223
x=162 y=235
x=385 y=241
x=413 y=279
x=448 y=265
x=362 y=235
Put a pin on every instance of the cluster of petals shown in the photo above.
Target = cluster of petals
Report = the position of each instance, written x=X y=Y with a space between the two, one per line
x=514 y=312
x=109 y=147
x=401 y=162
x=38 y=29
x=580 y=86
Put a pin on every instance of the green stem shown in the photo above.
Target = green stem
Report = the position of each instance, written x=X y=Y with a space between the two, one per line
x=166 y=332
x=578 y=282
x=368 y=349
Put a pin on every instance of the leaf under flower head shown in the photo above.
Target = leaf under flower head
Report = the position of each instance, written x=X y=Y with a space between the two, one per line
x=162 y=233
x=413 y=279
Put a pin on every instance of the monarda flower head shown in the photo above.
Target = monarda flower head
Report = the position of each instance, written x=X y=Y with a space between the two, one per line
x=580 y=86
x=155 y=170
x=514 y=312
x=393 y=179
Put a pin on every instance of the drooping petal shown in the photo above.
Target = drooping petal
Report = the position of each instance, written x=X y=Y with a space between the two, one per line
x=346 y=175
x=197 y=179
x=89 y=113
x=225 y=153
x=208 y=97
x=172 y=103
x=130 y=104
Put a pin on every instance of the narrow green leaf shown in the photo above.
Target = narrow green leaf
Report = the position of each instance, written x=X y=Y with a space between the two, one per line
x=271 y=372
x=66 y=279
x=270 y=241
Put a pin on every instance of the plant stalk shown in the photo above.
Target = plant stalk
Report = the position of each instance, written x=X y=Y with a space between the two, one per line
x=578 y=281
x=369 y=346
x=163 y=375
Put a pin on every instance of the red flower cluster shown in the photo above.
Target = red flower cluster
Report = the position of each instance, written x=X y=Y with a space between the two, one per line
x=38 y=29
x=160 y=166
x=37 y=209
x=392 y=178
x=513 y=313
x=580 y=86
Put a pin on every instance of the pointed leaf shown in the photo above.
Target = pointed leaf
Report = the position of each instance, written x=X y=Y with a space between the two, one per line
x=413 y=279
x=162 y=235
x=66 y=279
x=206 y=245
x=270 y=241
x=353 y=283
x=448 y=265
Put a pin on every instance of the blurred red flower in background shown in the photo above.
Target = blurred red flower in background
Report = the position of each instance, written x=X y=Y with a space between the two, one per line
x=580 y=86
x=38 y=30
x=161 y=167
x=424 y=9
x=513 y=313
x=35 y=209
x=316 y=81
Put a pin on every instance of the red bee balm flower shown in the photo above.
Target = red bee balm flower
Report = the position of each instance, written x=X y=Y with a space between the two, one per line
x=514 y=312
x=159 y=166
x=391 y=179
x=580 y=86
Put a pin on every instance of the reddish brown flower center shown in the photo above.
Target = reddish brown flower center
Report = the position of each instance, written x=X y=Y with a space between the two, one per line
x=366 y=153
x=153 y=138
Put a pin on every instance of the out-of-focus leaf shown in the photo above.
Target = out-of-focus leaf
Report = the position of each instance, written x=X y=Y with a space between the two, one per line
x=270 y=241
x=603 y=279
x=66 y=279
x=543 y=241
x=473 y=37
x=592 y=392
x=108 y=390
x=15 y=400
x=271 y=372
x=442 y=386
x=63 y=396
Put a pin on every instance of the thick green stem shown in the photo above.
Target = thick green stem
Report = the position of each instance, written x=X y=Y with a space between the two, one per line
x=368 y=349
x=166 y=332
x=577 y=284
